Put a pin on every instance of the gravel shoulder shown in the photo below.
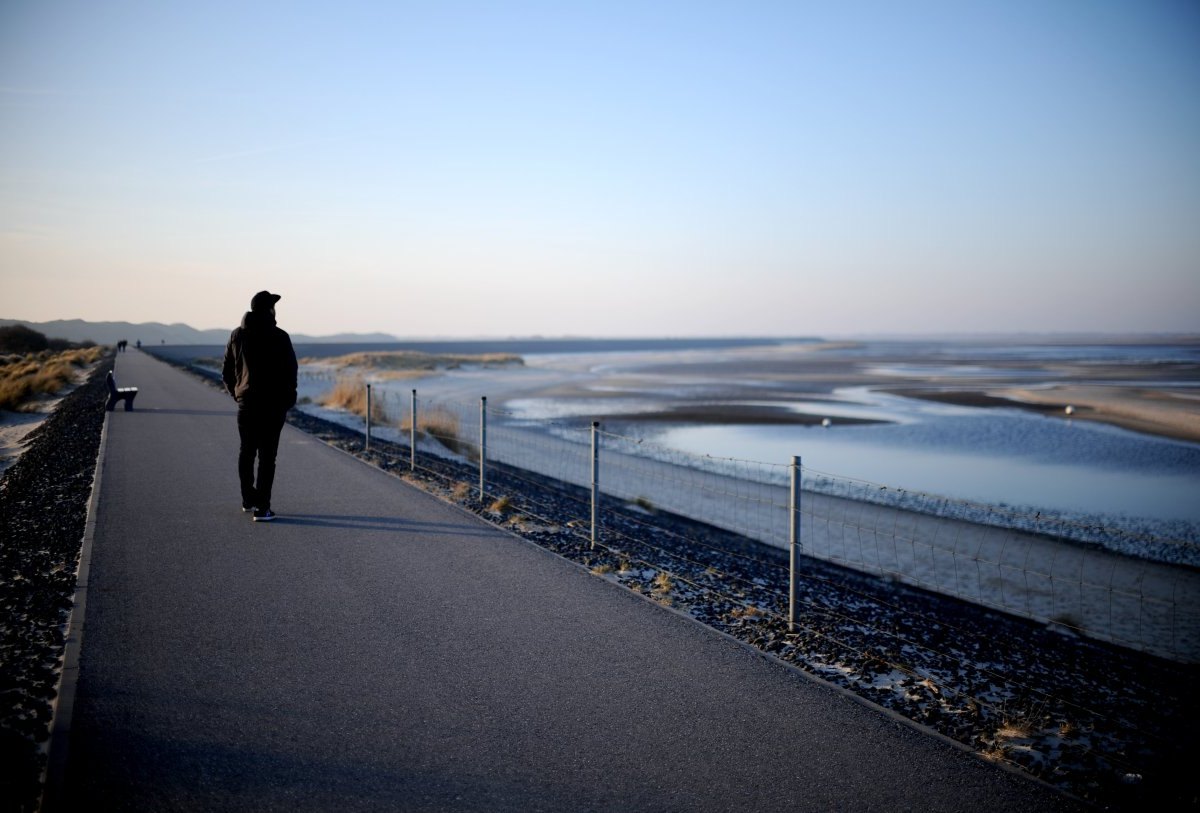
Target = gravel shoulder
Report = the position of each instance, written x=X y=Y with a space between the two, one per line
x=43 y=511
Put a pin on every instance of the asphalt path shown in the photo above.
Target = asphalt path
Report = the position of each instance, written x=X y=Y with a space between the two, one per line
x=378 y=649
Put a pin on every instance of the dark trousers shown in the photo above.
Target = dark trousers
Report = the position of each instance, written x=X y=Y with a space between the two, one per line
x=259 y=430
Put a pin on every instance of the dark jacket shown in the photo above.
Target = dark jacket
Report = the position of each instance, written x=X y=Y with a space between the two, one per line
x=260 y=364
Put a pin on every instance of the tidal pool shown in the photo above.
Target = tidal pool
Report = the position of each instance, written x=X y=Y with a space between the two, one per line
x=998 y=457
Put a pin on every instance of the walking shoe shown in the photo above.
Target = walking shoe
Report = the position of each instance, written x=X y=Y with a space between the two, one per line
x=246 y=509
x=263 y=515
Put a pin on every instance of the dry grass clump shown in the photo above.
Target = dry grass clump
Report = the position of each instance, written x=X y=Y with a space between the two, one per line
x=1019 y=724
x=500 y=506
x=644 y=504
x=438 y=423
x=442 y=425
x=995 y=753
x=26 y=378
x=1014 y=728
x=350 y=394
x=663 y=585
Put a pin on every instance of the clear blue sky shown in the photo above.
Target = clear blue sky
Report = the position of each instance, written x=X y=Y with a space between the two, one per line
x=607 y=168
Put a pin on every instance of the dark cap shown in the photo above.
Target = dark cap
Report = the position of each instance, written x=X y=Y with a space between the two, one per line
x=264 y=301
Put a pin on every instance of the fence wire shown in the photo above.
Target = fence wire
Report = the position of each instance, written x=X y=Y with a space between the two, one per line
x=1000 y=559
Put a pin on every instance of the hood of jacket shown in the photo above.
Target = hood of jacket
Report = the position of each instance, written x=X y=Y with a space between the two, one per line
x=256 y=319
x=260 y=367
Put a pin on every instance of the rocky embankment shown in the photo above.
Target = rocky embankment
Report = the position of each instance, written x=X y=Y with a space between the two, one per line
x=43 y=510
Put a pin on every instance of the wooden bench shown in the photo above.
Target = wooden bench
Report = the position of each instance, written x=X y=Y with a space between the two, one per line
x=126 y=394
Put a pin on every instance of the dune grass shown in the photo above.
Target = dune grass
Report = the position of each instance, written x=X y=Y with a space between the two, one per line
x=441 y=425
x=25 y=379
x=436 y=423
x=350 y=394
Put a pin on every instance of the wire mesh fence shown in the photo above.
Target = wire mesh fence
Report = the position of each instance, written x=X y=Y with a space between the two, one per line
x=1016 y=563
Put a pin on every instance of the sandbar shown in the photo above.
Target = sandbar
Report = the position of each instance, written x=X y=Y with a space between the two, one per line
x=732 y=413
x=1165 y=413
x=1168 y=413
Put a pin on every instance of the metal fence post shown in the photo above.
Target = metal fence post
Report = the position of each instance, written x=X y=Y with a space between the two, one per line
x=412 y=434
x=595 y=482
x=482 y=443
x=367 y=445
x=794 y=543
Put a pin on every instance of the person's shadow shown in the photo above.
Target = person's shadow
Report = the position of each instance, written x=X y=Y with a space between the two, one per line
x=224 y=413
x=384 y=524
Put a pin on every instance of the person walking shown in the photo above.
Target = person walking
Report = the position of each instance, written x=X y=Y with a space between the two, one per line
x=260 y=373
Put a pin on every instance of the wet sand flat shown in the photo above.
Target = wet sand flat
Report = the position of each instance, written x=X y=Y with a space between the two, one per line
x=1168 y=413
x=1161 y=398
x=729 y=413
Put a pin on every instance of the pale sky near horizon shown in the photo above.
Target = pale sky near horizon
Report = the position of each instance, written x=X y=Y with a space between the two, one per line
x=606 y=168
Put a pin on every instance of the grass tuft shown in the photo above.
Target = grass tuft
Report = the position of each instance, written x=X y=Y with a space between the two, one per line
x=1013 y=729
x=350 y=394
x=995 y=753
x=442 y=425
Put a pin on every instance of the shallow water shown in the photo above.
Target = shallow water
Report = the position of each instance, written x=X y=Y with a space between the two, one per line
x=1016 y=460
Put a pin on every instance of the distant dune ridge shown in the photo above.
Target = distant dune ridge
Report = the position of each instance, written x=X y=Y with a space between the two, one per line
x=77 y=330
x=414 y=360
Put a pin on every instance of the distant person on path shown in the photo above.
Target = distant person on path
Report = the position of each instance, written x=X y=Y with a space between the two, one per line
x=260 y=372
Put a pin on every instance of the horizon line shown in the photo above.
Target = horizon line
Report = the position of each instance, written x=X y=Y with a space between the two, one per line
x=891 y=335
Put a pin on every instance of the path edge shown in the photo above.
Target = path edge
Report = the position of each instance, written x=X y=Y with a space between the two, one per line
x=54 y=777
